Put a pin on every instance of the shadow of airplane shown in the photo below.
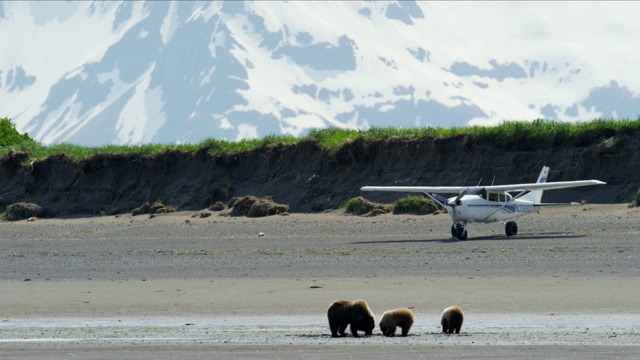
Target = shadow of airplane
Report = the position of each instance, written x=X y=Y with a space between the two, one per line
x=549 y=235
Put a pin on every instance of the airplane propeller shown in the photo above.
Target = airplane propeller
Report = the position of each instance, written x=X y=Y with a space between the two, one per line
x=460 y=195
x=454 y=203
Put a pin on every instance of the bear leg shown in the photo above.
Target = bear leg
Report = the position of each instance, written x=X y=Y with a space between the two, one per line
x=388 y=331
x=392 y=331
x=354 y=331
x=384 y=330
x=405 y=330
x=334 y=330
x=445 y=326
x=342 y=329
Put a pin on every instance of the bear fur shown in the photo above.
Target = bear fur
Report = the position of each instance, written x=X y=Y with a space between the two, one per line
x=356 y=314
x=391 y=319
x=452 y=318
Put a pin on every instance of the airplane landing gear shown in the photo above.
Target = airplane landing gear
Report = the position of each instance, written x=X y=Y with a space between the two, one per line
x=511 y=228
x=459 y=231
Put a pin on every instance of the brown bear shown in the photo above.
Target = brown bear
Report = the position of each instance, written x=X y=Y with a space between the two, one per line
x=391 y=319
x=356 y=314
x=452 y=318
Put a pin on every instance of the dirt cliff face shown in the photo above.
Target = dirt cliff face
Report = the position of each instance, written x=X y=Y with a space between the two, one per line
x=309 y=178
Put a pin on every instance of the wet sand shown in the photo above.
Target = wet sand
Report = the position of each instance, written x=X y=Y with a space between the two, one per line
x=177 y=286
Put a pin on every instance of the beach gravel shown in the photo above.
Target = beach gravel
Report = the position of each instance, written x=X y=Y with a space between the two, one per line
x=177 y=286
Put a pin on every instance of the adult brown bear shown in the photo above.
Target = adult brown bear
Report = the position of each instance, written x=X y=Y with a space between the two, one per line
x=391 y=319
x=356 y=314
x=452 y=318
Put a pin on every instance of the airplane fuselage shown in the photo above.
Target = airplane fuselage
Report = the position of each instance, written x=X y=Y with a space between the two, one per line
x=474 y=208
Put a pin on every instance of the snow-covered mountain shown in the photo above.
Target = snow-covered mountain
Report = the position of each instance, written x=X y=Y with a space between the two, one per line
x=130 y=72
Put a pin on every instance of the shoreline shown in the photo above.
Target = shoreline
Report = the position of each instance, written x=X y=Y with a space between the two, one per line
x=303 y=297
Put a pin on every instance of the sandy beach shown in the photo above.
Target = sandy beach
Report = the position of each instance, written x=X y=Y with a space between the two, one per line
x=184 y=286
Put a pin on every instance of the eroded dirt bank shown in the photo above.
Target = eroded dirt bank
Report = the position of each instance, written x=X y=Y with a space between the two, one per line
x=308 y=178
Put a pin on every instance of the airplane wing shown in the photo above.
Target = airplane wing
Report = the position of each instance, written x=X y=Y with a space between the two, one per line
x=490 y=188
x=418 y=189
x=543 y=186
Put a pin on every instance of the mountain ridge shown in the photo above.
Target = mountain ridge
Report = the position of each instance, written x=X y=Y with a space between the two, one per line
x=167 y=72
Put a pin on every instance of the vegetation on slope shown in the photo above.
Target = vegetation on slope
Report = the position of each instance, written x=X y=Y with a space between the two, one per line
x=538 y=133
x=9 y=136
x=412 y=204
x=361 y=206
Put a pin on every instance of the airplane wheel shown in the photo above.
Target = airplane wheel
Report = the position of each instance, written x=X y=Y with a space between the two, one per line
x=511 y=228
x=454 y=233
x=461 y=233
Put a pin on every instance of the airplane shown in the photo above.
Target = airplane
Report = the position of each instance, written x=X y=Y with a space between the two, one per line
x=486 y=204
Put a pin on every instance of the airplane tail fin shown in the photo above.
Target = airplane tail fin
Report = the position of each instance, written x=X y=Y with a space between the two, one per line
x=535 y=196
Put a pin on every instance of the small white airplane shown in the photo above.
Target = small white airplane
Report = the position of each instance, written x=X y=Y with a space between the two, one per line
x=490 y=203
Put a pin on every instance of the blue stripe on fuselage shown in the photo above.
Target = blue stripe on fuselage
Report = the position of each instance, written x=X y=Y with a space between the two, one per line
x=509 y=208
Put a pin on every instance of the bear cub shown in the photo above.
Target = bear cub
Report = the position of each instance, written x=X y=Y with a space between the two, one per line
x=391 y=319
x=452 y=318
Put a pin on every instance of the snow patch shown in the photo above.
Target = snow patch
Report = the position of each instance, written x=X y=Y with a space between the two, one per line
x=143 y=114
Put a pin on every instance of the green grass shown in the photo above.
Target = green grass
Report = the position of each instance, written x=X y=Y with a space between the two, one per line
x=38 y=151
x=536 y=133
x=356 y=205
x=414 y=204
x=359 y=206
x=520 y=134
x=335 y=138
x=9 y=135
x=541 y=133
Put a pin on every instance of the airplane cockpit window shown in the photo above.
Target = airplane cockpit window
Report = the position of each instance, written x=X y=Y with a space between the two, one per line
x=504 y=197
